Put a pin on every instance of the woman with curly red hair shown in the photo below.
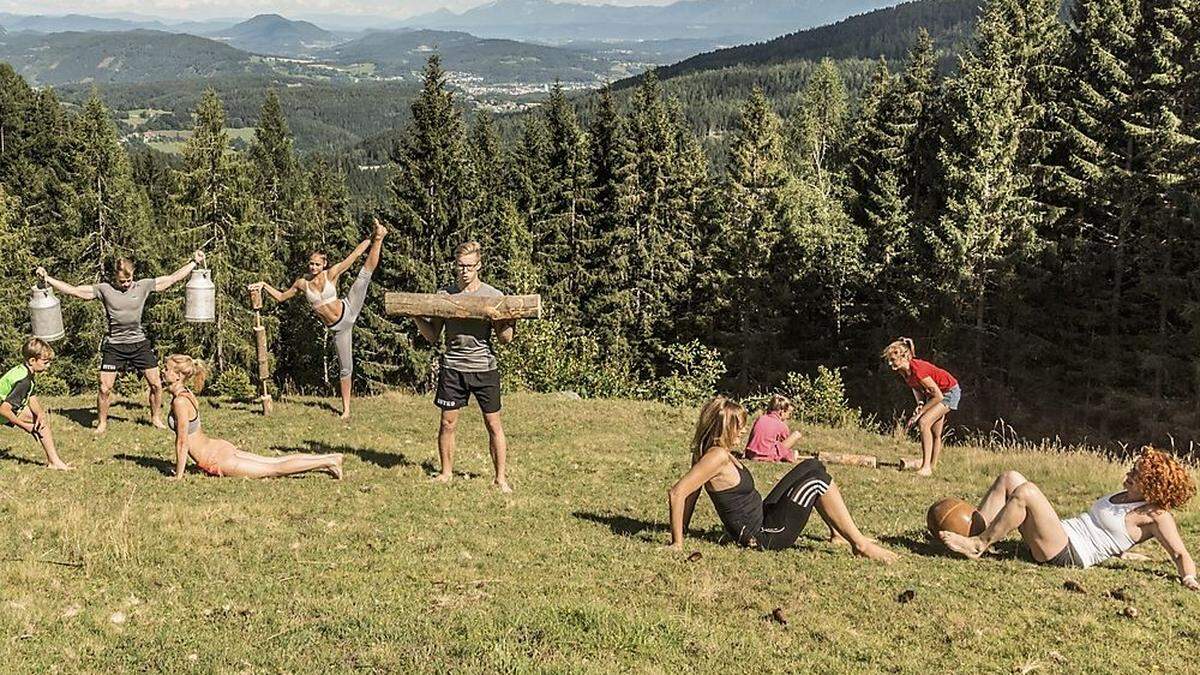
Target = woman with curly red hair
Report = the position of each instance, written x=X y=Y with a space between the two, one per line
x=1155 y=485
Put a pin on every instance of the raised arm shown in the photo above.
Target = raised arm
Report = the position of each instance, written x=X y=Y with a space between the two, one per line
x=81 y=292
x=1167 y=534
x=163 y=283
x=338 y=268
x=179 y=410
x=278 y=295
x=681 y=498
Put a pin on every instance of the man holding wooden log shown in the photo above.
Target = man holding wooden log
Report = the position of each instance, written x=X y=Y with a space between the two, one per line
x=469 y=366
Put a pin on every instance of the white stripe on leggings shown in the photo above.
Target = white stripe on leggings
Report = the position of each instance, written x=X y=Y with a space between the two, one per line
x=806 y=494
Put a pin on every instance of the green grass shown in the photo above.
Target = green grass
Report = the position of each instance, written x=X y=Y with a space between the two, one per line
x=387 y=572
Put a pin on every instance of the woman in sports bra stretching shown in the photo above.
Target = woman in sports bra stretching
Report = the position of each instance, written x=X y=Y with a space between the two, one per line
x=320 y=288
x=214 y=456
x=1156 y=484
x=773 y=523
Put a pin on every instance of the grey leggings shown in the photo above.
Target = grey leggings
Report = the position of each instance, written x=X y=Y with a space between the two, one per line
x=343 y=330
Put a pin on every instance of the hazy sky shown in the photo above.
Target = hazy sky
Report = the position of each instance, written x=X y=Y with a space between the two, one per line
x=200 y=9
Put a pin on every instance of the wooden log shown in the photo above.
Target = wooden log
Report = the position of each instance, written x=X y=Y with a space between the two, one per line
x=260 y=344
x=869 y=461
x=443 y=306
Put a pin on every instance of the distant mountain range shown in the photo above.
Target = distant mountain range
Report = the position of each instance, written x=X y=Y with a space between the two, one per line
x=743 y=20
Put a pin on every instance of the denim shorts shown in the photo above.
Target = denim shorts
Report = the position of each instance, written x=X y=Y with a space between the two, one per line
x=952 y=397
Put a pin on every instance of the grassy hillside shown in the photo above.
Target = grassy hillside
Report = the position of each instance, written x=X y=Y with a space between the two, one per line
x=114 y=568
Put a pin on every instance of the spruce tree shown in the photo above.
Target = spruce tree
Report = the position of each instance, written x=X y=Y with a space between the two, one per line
x=217 y=205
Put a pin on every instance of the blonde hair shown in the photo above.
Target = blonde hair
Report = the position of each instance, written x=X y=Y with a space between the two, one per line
x=721 y=422
x=37 y=348
x=901 y=347
x=123 y=265
x=193 y=370
x=467 y=248
x=779 y=403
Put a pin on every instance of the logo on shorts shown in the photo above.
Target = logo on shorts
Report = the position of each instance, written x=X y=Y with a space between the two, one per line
x=446 y=404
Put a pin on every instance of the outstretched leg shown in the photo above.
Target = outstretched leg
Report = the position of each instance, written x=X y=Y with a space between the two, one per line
x=833 y=511
x=249 y=465
x=376 y=246
x=1026 y=509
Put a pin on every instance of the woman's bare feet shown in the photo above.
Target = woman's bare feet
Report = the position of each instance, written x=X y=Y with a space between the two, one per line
x=442 y=478
x=157 y=423
x=336 y=467
x=100 y=428
x=503 y=485
x=872 y=551
x=925 y=470
x=60 y=466
x=971 y=547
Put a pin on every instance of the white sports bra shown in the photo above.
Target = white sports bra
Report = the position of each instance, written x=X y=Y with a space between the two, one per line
x=325 y=296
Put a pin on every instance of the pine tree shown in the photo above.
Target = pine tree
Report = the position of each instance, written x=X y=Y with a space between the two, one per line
x=14 y=278
x=279 y=182
x=562 y=236
x=433 y=205
x=747 y=273
x=989 y=220
x=817 y=130
x=218 y=208
x=609 y=306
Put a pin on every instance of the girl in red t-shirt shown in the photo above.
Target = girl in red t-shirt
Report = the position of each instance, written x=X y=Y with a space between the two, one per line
x=936 y=391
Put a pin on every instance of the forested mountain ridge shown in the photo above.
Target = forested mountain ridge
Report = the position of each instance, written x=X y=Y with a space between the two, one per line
x=886 y=33
x=130 y=56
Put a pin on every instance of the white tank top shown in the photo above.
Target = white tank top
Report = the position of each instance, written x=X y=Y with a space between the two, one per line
x=1100 y=533
x=325 y=296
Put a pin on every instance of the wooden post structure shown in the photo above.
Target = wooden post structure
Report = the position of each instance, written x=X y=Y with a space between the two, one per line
x=445 y=306
x=260 y=339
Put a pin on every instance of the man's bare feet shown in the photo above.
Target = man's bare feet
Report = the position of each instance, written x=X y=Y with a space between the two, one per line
x=970 y=547
x=157 y=423
x=873 y=551
x=345 y=416
x=503 y=485
x=336 y=467
x=60 y=466
x=100 y=428
x=442 y=478
x=925 y=471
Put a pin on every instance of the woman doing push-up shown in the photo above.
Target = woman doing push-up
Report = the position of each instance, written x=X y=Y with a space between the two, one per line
x=1115 y=523
x=214 y=456
x=339 y=316
x=772 y=523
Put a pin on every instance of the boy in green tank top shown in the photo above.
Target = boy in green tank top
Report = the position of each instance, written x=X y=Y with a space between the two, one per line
x=19 y=405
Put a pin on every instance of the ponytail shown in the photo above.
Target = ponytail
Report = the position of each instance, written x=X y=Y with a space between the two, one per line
x=194 y=371
x=901 y=346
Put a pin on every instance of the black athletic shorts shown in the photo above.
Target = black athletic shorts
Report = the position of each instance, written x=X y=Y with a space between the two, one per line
x=454 y=388
x=124 y=358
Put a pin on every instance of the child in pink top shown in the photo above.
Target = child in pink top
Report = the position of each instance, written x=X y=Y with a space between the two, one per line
x=770 y=438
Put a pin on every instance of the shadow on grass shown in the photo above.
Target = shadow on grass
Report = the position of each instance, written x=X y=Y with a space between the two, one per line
x=7 y=456
x=384 y=459
x=624 y=526
x=163 y=466
x=321 y=405
x=85 y=417
x=918 y=541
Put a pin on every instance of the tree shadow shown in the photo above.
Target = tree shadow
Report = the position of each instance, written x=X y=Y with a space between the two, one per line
x=625 y=526
x=7 y=456
x=161 y=465
x=384 y=459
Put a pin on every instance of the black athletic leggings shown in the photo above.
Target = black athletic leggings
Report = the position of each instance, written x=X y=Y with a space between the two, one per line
x=786 y=509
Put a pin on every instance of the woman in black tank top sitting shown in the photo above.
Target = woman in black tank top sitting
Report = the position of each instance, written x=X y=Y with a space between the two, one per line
x=774 y=523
